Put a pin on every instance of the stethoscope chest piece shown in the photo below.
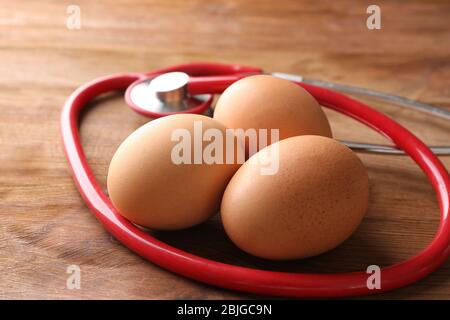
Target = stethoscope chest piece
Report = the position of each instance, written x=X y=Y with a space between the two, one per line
x=165 y=94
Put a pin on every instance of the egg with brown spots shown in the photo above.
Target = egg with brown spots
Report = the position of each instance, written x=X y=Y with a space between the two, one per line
x=313 y=201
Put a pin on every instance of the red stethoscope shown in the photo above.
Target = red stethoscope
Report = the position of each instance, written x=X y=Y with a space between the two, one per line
x=205 y=80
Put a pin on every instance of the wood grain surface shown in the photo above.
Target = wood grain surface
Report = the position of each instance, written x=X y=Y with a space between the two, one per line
x=44 y=224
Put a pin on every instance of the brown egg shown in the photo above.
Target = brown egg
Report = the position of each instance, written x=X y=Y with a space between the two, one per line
x=315 y=200
x=151 y=185
x=267 y=102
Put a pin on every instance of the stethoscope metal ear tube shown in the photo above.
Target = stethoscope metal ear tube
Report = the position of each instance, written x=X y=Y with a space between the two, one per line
x=384 y=149
x=390 y=98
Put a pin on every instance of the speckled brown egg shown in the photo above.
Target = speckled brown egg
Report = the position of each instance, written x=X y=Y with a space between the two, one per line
x=152 y=190
x=267 y=102
x=315 y=200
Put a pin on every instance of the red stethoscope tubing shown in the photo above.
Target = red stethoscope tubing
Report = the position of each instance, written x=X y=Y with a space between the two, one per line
x=214 y=78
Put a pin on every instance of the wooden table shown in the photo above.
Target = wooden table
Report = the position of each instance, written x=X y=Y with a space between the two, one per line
x=44 y=224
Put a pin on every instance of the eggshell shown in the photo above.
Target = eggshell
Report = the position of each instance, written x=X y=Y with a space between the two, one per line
x=267 y=102
x=149 y=189
x=315 y=200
